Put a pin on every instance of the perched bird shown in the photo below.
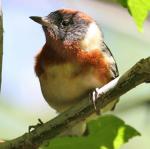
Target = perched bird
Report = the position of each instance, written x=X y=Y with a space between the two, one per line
x=73 y=61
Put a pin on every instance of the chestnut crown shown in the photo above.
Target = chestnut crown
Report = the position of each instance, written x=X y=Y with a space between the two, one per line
x=65 y=24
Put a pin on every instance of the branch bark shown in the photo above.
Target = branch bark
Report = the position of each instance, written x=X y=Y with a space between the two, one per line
x=138 y=74
x=1 y=43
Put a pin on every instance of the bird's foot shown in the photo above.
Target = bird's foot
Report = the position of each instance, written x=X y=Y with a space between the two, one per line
x=93 y=97
x=33 y=127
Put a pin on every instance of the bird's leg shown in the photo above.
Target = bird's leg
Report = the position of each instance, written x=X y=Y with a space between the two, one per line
x=35 y=126
x=93 y=97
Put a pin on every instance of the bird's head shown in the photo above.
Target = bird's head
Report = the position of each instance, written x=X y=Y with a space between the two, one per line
x=71 y=26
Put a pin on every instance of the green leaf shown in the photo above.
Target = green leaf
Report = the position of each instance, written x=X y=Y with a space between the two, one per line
x=139 y=10
x=107 y=132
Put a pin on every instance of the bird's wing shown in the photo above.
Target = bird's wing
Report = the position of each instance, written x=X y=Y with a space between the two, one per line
x=113 y=66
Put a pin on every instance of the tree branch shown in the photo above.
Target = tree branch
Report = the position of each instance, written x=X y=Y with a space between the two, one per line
x=1 y=43
x=138 y=74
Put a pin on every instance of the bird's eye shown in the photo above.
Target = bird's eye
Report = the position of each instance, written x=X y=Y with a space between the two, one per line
x=65 y=22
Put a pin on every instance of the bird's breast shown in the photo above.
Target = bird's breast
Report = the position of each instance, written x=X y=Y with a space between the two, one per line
x=63 y=84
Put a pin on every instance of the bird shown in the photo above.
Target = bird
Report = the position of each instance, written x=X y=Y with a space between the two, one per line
x=73 y=61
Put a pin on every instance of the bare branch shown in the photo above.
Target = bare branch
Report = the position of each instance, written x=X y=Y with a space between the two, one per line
x=138 y=74
x=1 y=43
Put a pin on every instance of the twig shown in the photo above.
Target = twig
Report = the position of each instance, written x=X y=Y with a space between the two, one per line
x=138 y=74
x=1 y=43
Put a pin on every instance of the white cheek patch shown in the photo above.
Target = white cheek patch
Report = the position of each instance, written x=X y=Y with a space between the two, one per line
x=92 y=39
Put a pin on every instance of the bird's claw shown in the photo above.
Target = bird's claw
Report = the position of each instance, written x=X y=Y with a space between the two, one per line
x=33 y=127
x=93 y=97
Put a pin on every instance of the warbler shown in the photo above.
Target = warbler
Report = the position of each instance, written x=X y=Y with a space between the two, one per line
x=73 y=61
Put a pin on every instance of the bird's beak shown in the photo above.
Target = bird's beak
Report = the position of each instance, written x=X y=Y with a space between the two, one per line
x=41 y=20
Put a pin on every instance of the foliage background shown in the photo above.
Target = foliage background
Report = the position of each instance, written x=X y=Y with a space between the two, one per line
x=21 y=101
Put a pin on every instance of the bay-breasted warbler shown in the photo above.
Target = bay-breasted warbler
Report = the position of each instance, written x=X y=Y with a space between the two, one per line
x=73 y=61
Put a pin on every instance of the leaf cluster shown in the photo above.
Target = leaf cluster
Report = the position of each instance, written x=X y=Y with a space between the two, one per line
x=107 y=132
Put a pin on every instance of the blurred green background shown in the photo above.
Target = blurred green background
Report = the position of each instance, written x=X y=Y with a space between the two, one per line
x=21 y=102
